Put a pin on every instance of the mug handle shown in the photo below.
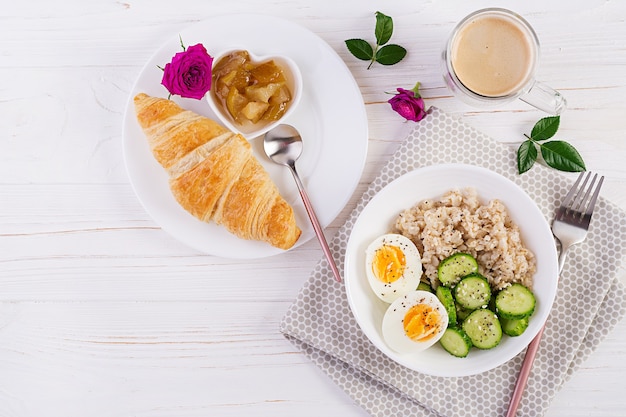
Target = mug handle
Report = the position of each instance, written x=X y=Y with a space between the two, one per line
x=545 y=98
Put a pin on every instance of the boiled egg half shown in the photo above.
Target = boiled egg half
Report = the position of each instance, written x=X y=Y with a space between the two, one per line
x=393 y=266
x=414 y=322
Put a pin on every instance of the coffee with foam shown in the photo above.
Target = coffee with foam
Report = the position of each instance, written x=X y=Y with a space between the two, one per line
x=493 y=55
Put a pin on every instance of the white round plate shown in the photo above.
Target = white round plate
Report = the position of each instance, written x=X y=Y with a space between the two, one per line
x=330 y=117
x=378 y=218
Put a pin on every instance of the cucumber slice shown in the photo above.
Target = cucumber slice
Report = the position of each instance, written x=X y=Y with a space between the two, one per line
x=515 y=302
x=473 y=292
x=456 y=342
x=454 y=267
x=444 y=294
x=423 y=286
x=514 y=327
x=461 y=313
x=483 y=328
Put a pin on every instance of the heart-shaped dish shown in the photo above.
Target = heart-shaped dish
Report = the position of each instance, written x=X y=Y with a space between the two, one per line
x=250 y=130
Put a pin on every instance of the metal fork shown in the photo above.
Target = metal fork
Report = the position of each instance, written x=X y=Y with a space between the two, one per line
x=570 y=227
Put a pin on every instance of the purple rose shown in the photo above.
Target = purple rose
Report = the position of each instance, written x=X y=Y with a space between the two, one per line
x=189 y=73
x=408 y=104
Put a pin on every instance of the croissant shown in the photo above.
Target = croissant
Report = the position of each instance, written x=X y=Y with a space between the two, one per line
x=214 y=175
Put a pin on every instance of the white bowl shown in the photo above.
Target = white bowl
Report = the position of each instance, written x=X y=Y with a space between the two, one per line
x=251 y=130
x=378 y=218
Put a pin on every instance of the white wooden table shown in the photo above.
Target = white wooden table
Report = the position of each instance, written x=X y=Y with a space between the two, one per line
x=104 y=314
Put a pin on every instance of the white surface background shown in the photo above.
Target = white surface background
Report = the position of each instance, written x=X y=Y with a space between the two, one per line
x=103 y=314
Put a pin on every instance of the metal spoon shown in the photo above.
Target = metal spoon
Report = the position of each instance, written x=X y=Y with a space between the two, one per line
x=283 y=145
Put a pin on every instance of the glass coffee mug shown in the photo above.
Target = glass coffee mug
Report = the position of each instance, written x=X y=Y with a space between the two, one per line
x=491 y=58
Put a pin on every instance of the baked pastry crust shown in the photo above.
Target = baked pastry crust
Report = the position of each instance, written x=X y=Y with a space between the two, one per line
x=214 y=175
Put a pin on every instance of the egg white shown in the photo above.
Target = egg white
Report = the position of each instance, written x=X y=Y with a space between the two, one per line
x=409 y=280
x=393 y=327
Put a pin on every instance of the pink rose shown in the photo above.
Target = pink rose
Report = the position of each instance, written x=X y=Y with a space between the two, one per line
x=409 y=104
x=189 y=73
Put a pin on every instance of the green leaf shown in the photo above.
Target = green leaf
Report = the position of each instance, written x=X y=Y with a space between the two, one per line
x=526 y=156
x=562 y=156
x=384 y=28
x=360 y=49
x=545 y=128
x=390 y=54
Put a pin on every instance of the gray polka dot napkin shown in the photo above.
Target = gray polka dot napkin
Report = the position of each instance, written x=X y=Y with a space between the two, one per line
x=590 y=301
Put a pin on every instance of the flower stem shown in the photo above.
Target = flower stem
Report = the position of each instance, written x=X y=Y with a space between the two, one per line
x=416 y=90
x=373 y=56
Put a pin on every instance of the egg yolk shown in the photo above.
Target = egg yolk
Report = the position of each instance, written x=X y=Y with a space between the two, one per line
x=388 y=263
x=421 y=322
